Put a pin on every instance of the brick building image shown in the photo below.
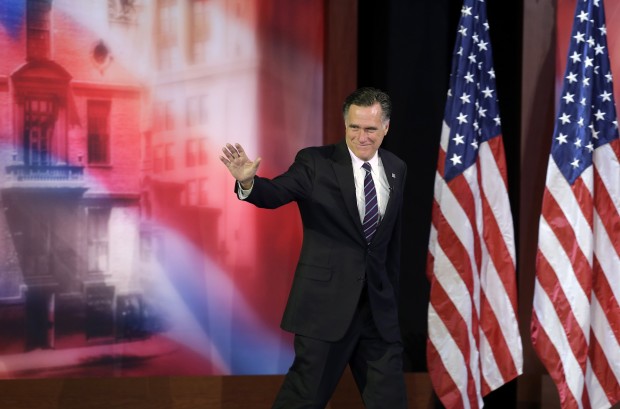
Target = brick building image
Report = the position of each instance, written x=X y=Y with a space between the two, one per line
x=69 y=180
x=121 y=241
x=228 y=71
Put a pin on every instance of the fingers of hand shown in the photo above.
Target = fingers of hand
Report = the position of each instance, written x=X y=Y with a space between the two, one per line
x=234 y=154
x=230 y=152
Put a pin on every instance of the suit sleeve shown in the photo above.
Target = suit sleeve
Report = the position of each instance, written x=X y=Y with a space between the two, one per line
x=294 y=184
x=395 y=245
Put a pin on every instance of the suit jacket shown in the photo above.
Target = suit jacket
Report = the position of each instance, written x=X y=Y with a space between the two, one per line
x=335 y=260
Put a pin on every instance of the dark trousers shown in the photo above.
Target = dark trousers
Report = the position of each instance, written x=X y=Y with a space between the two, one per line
x=318 y=366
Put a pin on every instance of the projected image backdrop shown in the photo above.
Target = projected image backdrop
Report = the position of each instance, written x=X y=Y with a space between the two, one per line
x=123 y=249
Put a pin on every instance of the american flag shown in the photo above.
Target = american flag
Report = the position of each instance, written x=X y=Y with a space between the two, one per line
x=474 y=345
x=576 y=317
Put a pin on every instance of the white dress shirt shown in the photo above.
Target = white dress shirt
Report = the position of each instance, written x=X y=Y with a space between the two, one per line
x=378 y=176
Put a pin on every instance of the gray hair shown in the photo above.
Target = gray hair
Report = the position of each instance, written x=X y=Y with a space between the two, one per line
x=368 y=96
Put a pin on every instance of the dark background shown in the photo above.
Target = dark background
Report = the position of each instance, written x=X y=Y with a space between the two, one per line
x=405 y=48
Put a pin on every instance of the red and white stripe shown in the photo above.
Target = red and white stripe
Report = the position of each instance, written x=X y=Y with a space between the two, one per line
x=576 y=317
x=474 y=345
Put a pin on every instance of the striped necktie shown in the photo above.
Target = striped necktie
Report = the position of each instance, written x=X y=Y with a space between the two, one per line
x=371 y=214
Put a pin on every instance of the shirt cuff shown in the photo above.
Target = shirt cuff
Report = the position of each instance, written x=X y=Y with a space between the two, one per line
x=243 y=193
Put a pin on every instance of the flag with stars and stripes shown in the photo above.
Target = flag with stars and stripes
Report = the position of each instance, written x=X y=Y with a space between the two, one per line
x=575 y=324
x=474 y=345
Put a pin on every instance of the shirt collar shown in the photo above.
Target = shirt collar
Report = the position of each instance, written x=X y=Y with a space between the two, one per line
x=357 y=162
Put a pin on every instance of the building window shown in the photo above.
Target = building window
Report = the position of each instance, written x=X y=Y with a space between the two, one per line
x=39 y=119
x=191 y=152
x=158 y=116
x=167 y=36
x=38 y=29
x=98 y=132
x=200 y=30
x=202 y=152
x=197 y=110
x=169 y=157
x=98 y=238
x=163 y=116
x=192 y=193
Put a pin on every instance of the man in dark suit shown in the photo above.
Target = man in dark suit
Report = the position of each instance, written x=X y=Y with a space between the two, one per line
x=342 y=306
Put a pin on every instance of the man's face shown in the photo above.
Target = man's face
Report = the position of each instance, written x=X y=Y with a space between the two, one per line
x=365 y=130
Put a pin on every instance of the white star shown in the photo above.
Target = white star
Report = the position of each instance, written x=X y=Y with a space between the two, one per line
x=486 y=26
x=565 y=119
x=456 y=159
x=603 y=29
x=606 y=96
x=460 y=51
x=474 y=143
x=575 y=57
x=492 y=73
x=579 y=37
x=465 y=98
x=575 y=163
x=497 y=120
x=561 y=138
x=475 y=38
x=488 y=93
x=469 y=77
x=463 y=31
x=608 y=76
x=591 y=41
x=577 y=142
x=472 y=58
x=590 y=147
x=586 y=82
x=599 y=49
x=482 y=112
x=580 y=122
x=482 y=46
x=583 y=101
x=588 y=62
x=594 y=133
x=599 y=115
x=458 y=139
x=466 y=11
x=568 y=97
x=462 y=118
x=475 y=125
x=571 y=77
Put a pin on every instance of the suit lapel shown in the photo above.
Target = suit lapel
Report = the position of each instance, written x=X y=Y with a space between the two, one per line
x=391 y=175
x=343 y=169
